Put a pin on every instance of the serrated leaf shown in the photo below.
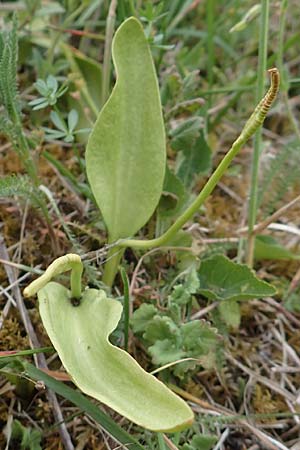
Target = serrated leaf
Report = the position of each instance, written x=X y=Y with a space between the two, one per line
x=222 y=279
x=198 y=335
x=142 y=317
x=161 y=328
x=126 y=154
x=266 y=247
x=80 y=334
x=181 y=294
x=165 y=351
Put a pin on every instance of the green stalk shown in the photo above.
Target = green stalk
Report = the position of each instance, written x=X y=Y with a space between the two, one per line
x=210 y=18
x=126 y=308
x=262 y=64
x=161 y=442
x=60 y=265
x=112 y=265
x=251 y=126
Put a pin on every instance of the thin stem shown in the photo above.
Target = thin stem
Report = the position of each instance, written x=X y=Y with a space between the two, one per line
x=254 y=122
x=126 y=308
x=210 y=19
x=262 y=63
x=110 y=26
x=161 y=442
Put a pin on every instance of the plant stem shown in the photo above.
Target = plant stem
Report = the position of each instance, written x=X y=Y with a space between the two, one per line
x=262 y=63
x=210 y=18
x=60 y=265
x=161 y=442
x=111 y=267
x=110 y=26
x=254 y=122
x=126 y=308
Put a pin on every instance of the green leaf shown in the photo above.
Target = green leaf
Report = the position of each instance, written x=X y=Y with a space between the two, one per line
x=173 y=195
x=181 y=294
x=195 y=160
x=161 y=328
x=198 y=335
x=142 y=317
x=231 y=313
x=30 y=438
x=72 y=120
x=185 y=134
x=202 y=442
x=266 y=247
x=91 y=72
x=195 y=157
x=222 y=279
x=165 y=351
x=85 y=92
x=58 y=121
x=126 y=154
x=109 y=374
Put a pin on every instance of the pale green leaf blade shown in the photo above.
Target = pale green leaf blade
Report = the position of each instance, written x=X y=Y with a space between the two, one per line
x=126 y=151
x=101 y=370
x=222 y=279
